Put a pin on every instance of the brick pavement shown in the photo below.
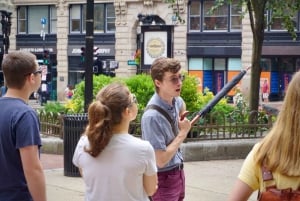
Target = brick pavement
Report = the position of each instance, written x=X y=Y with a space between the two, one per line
x=52 y=161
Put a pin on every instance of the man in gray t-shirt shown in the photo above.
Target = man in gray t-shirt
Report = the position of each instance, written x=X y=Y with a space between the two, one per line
x=165 y=130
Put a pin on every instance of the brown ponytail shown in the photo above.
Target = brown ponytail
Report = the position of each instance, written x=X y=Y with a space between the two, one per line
x=103 y=114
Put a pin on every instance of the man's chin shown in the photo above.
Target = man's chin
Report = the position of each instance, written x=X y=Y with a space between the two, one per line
x=177 y=93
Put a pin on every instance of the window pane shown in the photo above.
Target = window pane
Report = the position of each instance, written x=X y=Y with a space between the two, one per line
x=216 y=20
x=288 y=64
x=111 y=27
x=110 y=18
x=53 y=21
x=35 y=14
x=234 y=64
x=99 y=18
x=195 y=15
x=195 y=8
x=207 y=64
x=75 y=18
x=83 y=17
x=22 y=20
x=265 y=64
x=236 y=15
x=297 y=64
x=194 y=23
x=195 y=64
x=266 y=20
x=220 y=64
x=110 y=10
x=278 y=23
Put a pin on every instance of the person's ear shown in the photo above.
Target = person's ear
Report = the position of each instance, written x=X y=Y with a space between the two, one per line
x=29 y=77
x=126 y=112
x=157 y=83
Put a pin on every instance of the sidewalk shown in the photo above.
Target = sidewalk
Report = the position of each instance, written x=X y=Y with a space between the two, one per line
x=205 y=180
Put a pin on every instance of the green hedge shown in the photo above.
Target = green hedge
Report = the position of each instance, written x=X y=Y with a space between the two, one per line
x=142 y=86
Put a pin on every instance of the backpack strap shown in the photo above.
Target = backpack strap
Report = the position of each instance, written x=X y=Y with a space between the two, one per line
x=165 y=114
x=267 y=176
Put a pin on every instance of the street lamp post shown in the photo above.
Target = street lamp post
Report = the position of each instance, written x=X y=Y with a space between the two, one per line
x=6 y=8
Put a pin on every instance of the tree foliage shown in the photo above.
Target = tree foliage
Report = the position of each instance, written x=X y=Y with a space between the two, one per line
x=286 y=10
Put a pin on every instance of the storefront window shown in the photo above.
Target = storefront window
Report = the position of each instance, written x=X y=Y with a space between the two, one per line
x=220 y=64
x=75 y=77
x=297 y=64
x=196 y=64
x=207 y=64
x=234 y=64
x=265 y=64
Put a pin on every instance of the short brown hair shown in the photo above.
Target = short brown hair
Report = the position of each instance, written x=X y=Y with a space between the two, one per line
x=162 y=65
x=16 y=65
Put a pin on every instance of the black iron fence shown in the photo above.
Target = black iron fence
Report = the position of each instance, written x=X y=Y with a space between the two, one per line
x=215 y=126
x=51 y=124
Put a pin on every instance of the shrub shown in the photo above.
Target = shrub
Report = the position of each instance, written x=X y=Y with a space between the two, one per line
x=76 y=104
x=55 y=108
x=142 y=86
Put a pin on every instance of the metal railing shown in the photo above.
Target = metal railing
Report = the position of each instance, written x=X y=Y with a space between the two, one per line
x=214 y=126
x=51 y=125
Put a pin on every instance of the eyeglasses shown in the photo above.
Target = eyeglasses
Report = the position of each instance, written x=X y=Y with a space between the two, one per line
x=176 y=80
x=133 y=99
x=39 y=71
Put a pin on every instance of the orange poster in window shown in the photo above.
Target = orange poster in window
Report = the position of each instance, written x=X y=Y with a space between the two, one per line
x=264 y=76
x=199 y=76
x=231 y=74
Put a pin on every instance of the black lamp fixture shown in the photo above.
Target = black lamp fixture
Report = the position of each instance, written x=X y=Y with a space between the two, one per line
x=6 y=8
x=150 y=19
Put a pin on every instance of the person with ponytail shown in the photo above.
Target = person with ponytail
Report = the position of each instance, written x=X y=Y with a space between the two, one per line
x=114 y=164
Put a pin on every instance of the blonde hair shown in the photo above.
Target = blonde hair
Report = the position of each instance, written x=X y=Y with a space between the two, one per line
x=280 y=148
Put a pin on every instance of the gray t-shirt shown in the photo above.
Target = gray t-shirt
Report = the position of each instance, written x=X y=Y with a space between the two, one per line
x=158 y=131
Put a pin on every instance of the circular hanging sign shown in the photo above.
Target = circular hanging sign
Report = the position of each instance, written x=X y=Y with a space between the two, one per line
x=155 y=47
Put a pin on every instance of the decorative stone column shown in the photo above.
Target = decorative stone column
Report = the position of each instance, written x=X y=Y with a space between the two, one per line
x=62 y=46
x=246 y=46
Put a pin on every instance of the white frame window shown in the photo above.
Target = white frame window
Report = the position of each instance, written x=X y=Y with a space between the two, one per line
x=29 y=19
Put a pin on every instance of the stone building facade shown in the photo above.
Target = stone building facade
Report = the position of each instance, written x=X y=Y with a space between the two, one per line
x=194 y=48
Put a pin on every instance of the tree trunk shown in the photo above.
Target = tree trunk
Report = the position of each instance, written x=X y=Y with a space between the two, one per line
x=256 y=12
